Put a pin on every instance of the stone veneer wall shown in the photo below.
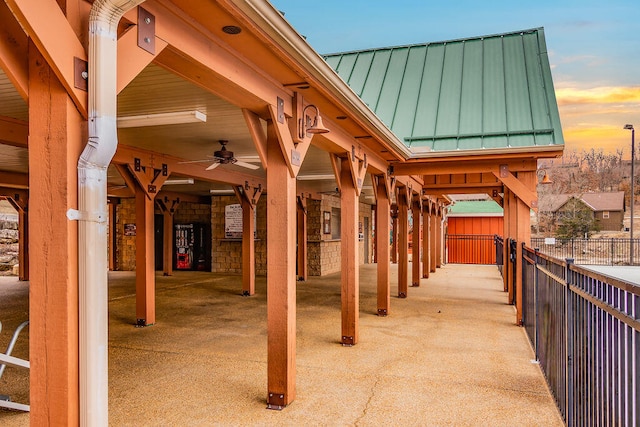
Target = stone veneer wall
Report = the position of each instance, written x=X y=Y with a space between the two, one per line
x=324 y=253
x=186 y=213
x=226 y=254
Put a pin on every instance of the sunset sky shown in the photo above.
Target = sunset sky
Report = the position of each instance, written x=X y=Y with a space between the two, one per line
x=594 y=48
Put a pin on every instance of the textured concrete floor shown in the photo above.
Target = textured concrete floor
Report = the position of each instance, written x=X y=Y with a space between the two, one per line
x=449 y=354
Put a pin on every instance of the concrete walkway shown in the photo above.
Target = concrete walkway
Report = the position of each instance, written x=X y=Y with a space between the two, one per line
x=449 y=354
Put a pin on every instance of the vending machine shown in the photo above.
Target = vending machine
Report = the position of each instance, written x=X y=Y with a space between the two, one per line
x=192 y=250
x=184 y=240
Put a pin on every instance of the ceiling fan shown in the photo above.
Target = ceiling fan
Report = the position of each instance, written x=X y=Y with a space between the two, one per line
x=224 y=157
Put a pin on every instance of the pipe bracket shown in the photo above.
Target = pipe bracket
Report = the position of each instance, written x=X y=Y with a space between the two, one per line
x=76 y=215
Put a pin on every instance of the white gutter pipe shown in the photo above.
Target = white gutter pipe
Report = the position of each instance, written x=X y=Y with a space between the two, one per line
x=92 y=209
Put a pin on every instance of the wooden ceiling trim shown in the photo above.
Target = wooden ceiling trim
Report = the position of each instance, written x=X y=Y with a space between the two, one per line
x=14 y=179
x=14 y=132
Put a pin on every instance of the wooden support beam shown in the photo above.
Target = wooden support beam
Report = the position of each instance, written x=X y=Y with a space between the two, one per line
x=131 y=58
x=416 y=244
x=394 y=231
x=505 y=234
x=20 y=202
x=439 y=238
x=529 y=197
x=111 y=205
x=350 y=277
x=168 y=207
x=457 y=165
x=258 y=135
x=14 y=132
x=14 y=180
x=248 y=200
x=14 y=57
x=145 y=259
x=50 y=31
x=433 y=239
x=56 y=138
x=402 y=200
x=303 y=270
x=523 y=236
x=383 y=217
x=127 y=155
x=513 y=227
x=281 y=280
x=426 y=239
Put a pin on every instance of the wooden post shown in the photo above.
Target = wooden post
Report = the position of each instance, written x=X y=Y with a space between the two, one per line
x=505 y=234
x=350 y=277
x=416 y=213
x=523 y=234
x=426 y=247
x=281 y=277
x=439 y=237
x=394 y=230
x=145 y=260
x=383 y=225
x=513 y=227
x=403 y=242
x=112 y=234
x=303 y=270
x=57 y=134
x=433 y=239
x=167 y=243
x=248 y=247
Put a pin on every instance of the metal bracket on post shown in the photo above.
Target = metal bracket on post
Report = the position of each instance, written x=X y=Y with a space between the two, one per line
x=347 y=341
x=276 y=401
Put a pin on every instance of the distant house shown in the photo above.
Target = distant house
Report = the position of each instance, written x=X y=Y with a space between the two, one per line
x=608 y=208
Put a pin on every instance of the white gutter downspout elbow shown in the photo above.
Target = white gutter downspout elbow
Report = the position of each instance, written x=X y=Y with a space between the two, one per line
x=92 y=209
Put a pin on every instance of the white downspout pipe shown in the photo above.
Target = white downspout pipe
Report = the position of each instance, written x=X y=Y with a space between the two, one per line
x=92 y=209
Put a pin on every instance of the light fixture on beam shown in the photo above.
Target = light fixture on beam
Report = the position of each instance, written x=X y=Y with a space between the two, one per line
x=542 y=173
x=306 y=126
x=160 y=119
x=179 y=181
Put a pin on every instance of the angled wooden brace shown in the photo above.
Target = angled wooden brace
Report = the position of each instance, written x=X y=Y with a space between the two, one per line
x=257 y=134
x=294 y=154
x=149 y=178
x=527 y=196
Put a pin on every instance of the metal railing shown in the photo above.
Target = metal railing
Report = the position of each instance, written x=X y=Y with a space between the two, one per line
x=499 y=252
x=607 y=251
x=470 y=248
x=585 y=330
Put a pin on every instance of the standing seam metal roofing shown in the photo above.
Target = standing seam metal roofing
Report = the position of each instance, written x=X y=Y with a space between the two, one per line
x=486 y=92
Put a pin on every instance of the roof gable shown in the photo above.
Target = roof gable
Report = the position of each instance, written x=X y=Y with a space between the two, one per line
x=468 y=94
x=613 y=201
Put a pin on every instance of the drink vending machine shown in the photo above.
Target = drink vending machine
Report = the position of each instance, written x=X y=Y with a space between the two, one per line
x=191 y=247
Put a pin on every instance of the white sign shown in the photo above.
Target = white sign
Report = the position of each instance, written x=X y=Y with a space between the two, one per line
x=549 y=240
x=233 y=222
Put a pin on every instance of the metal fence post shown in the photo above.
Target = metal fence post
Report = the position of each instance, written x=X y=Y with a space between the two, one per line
x=569 y=338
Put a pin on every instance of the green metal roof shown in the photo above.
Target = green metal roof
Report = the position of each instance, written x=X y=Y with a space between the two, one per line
x=468 y=94
x=471 y=207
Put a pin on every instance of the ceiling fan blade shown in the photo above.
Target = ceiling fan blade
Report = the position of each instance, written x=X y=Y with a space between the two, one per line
x=248 y=159
x=213 y=166
x=195 y=161
x=246 y=165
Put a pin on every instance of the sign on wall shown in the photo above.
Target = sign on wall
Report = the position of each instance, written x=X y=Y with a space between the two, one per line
x=233 y=222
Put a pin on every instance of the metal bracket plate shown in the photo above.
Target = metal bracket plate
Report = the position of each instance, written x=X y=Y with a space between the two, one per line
x=146 y=31
x=80 y=74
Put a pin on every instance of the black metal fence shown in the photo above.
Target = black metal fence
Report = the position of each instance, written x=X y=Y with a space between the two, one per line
x=608 y=251
x=499 y=252
x=585 y=329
